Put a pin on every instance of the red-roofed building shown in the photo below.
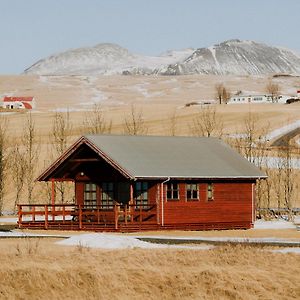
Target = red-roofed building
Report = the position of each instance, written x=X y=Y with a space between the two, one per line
x=18 y=102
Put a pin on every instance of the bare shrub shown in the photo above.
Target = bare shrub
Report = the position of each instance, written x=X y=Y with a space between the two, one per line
x=3 y=160
x=134 y=123
x=31 y=153
x=95 y=121
x=274 y=90
x=207 y=123
x=222 y=93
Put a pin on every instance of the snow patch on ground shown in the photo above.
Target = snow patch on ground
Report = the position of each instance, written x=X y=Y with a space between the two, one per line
x=66 y=109
x=20 y=234
x=278 y=224
x=283 y=130
x=288 y=250
x=276 y=162
x=7 y=113
x=109 y=241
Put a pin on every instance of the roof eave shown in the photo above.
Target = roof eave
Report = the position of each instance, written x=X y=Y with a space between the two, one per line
x=200 y=177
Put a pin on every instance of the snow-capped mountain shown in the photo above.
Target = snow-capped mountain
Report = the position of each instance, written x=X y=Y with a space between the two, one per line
x=239 y=58
x=104 y=58
x=230 y=57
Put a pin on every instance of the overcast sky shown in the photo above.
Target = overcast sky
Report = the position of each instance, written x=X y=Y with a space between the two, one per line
x=34 y=29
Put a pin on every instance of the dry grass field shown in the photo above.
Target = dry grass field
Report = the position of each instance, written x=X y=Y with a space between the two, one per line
x=39 y=269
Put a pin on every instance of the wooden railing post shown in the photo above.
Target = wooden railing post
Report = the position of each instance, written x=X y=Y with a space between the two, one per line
x=46 y=216
x=98 y=214
x=64 y=213
x=116 y=216
x=141 y=218
x=20 y=216
x=80 y=216
x=33 y=213
x=125 y=214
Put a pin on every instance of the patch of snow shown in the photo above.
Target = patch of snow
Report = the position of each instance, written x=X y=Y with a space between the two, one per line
x=278 y=224
x=110 y=241
x=66 y=109
x=287 y=250
x=276 y=162
x=7 y=113
x=283 y=130
x=9 y=220
x=18 y=234
x=213 y=53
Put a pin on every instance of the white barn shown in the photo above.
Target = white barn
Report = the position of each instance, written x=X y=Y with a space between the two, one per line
x=267 y=98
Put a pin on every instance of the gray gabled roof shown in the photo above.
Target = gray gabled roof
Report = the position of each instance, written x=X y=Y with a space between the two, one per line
x=174 y=157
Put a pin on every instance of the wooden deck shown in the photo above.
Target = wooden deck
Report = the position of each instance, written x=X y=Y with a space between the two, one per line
x=118 y=218
x=78 y=217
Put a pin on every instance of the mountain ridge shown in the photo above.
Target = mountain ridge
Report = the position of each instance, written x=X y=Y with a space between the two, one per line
x=231 y=57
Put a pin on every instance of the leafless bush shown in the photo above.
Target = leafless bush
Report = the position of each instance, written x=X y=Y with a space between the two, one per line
x=95 y=121
x=134 y=123
x=207 y=123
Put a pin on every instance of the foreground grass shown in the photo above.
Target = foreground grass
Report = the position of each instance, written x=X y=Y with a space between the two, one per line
x=39 y=269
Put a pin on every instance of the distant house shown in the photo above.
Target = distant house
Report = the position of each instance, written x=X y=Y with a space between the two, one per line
x=257 y=99
x=130 y=183
x=18 y=102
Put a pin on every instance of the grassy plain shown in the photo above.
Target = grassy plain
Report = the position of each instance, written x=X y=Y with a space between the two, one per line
x=40 y=269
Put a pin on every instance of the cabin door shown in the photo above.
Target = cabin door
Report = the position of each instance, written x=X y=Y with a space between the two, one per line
x=123 y=194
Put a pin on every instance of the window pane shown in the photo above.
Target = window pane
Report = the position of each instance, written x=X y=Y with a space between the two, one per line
x=169 y=195
x=138 y=185
x=195 y=194
x=188 y=194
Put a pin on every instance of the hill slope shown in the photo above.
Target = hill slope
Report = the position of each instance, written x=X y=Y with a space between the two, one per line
x=233 y=57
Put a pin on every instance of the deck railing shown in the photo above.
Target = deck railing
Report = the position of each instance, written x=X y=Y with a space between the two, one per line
x=116 y=214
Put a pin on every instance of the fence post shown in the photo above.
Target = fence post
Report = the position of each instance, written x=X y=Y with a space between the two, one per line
x=46 y=216
x=141 y=219
x=80 y=216
x=19 y=215
x=33 y=213
x=125 y=214
x=116 y=216
x=64 y=213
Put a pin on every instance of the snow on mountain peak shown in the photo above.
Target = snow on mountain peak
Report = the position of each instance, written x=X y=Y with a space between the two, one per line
x=238 y=57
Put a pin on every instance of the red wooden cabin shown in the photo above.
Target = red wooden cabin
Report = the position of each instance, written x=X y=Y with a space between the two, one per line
x=128 y=183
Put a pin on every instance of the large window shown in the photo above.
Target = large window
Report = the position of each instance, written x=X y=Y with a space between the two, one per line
x=172 y=191
x=210 y=191
x=192 y=192
x=90 y=195
x=141 y=194
x=107 y=195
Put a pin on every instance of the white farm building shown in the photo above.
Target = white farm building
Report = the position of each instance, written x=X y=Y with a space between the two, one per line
x=257 y=99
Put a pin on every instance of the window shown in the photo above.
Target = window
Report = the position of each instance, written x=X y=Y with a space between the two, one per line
x=210 y=192
x=192 y=191
x=172 y=191
x=141 y=195
x=107 y=195
x=90 y=195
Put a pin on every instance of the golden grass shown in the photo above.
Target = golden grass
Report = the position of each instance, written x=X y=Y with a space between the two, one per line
x=39 y=269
